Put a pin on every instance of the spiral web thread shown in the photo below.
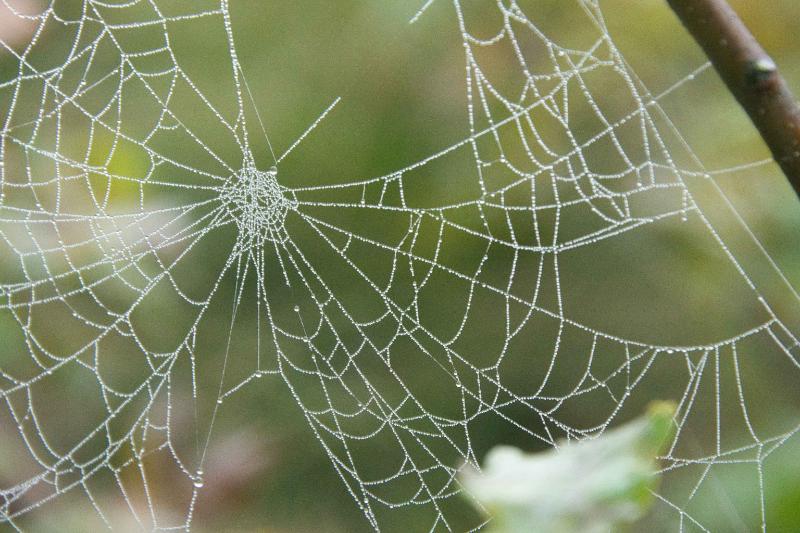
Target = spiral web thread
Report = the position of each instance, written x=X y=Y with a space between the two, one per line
x=77 y=259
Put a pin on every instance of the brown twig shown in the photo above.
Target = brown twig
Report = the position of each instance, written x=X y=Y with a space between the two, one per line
x=750 y=74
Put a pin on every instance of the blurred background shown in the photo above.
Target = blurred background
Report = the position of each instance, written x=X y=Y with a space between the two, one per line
x=403 y=98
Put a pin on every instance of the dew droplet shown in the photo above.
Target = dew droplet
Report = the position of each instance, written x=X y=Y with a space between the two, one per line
x=198 y=483
x=296 y=308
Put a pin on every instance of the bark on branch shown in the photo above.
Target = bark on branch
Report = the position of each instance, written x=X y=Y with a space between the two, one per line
x=750 y=74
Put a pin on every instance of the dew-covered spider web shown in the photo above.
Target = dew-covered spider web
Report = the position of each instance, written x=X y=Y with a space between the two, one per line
x=408 y=316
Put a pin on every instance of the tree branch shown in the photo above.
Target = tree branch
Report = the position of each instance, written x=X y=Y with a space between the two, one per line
x=750 y=74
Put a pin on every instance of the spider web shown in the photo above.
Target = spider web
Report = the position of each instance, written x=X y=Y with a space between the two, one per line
x=405 y=317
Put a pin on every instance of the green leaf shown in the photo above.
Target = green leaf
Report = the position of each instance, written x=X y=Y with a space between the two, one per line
x=593 y=485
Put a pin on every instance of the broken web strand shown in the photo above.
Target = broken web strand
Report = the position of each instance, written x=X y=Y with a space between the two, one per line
x=760 y=443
